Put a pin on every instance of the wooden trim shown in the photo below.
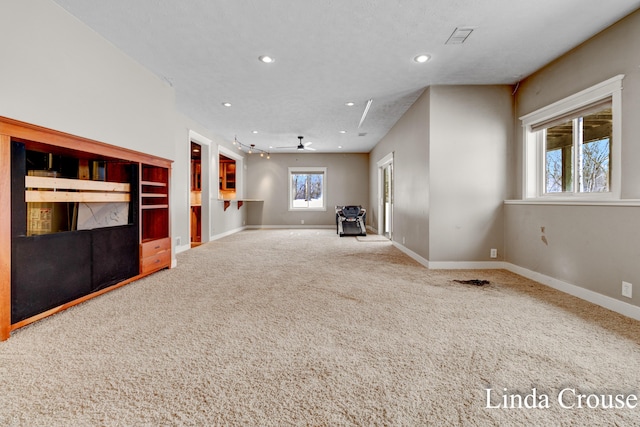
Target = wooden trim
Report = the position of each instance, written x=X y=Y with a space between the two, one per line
x=90 y=191
x=74 y=184
x=153 y=183
x=29 y=132
x=5 y=237
x=67 y=196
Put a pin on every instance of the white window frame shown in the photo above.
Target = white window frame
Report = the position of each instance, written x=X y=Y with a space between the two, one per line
x=533 y=179
x=307 y=170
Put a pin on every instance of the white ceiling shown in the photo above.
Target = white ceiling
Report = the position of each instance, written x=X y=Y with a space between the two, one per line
x=328 y=52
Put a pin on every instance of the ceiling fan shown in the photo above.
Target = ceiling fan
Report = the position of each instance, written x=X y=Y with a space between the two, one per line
x=301 y=146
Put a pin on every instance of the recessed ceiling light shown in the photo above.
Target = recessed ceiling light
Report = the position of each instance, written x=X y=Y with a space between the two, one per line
x=254 y=131
x=226 y=104
x=266 y=59
x=349 y=104
x=340 y=146
x=343 y=131
x=421 y=59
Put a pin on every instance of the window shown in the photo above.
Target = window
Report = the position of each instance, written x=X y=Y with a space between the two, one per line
x=307 y=187
x=577 y=152
x=572 y=147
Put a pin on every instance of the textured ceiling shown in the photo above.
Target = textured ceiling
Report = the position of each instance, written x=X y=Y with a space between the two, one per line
x=328 y=52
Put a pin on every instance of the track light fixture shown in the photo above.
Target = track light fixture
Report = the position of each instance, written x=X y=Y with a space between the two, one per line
x=250 y=148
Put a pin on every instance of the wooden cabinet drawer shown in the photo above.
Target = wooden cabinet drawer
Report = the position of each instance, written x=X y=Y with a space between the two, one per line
x=155 y=262
x=155 y=254
x=154 y=247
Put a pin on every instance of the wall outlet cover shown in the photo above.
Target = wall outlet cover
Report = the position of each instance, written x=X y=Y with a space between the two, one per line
x=627 y=289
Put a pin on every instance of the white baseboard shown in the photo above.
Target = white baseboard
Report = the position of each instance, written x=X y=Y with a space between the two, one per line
x=226 y=233
x=266 y=227
x=182 y=248
x=467 y=265
x=612 y=304
x=412 y=254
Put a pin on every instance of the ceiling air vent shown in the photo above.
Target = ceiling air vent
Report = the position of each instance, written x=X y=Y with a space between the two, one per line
x=459 y=35
x=362 y=134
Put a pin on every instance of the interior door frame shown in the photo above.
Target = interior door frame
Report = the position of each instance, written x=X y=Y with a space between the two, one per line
x=382 y=165
x=205 y=159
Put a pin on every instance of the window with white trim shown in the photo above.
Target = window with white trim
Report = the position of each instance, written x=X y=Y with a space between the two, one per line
x=307 y=188
x=572 y=147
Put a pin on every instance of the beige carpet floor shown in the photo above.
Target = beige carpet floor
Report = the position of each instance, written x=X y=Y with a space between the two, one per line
x=304 y=328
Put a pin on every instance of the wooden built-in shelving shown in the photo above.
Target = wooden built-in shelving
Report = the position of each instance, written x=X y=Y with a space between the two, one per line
x=85 y=262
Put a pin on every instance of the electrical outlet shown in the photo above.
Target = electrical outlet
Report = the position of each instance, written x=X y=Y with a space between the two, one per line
x=178 y=241
x=493 y=253
x=302 y=221
x=627 y=289
x=403 y=240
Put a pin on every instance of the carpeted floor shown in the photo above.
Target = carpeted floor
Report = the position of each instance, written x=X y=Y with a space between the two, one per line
x=303 y=328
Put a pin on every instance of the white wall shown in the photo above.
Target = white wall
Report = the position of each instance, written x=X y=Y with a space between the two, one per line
x=215 y=220
x=59 y=74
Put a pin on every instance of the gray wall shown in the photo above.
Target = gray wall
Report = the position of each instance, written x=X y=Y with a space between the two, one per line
x=346 y=184
x=408 y=140
x=593 y=247
x=450 y=172
x=471 y=130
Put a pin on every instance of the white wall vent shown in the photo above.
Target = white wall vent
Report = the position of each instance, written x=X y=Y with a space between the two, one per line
x=459 y=35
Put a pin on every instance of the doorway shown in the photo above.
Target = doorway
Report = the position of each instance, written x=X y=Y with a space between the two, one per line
x=385 y=196
x=196 y=194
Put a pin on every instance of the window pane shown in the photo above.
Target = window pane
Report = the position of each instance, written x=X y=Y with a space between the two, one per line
x=559 y=158
x=595 y=152
x=299 y=191
x=553 y=162
x=315 y=190
x=307 y=190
